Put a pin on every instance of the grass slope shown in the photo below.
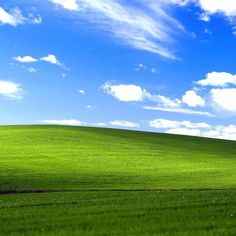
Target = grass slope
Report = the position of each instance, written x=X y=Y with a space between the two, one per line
x=105 y=181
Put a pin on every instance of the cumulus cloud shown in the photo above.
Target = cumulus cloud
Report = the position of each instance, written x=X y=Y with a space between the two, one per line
x=194 y=129
x=227 y=7
x=101 y=124
x=73 y=122
x=15 y=17
x=125 y=92
x=25 y=59
x=222 y=132
x=184 y=131
x=144 y=25
x=52 y=59
x=224 y=98
x=71 y=5
x=192 y=99
x=209 y=7
x=135 y=93
x=63 y=122
x=218 y=79
x=179 y=127
x=172 y=124
x=10 y=90
x=124 y=123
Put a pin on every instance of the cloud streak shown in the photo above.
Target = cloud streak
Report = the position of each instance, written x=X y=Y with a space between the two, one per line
x=143 y=25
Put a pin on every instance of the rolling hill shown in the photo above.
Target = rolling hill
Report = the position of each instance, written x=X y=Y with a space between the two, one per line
x=57 y=180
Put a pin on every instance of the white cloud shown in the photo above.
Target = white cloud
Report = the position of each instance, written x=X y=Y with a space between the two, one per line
x=179 y=2
x=172 y=124
x=102 y=124
x=218 y=79
x=142 y=67
x=125 y=92
x=145 y=25
x=192 y=99
x=31 y=69
x=89 y=106
x=210 y=7
x=10 y=90
x=135 y=93
x=51 y=59
x=25 y=59
x=63 y=122
x=15 y=17
x=71 y=5
x=204 y=17
x=162 y=124
x=179 y=110
x=227 y=7
x=123 y=123
x=153 y=70
x=163 y=101
x=37 y=20
x=194 y=129
x=184 y=131
x=224 y=98
x=221 y=132
x=81 y=91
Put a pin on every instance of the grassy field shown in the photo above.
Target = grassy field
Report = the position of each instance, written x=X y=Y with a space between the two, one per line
x=114 y=182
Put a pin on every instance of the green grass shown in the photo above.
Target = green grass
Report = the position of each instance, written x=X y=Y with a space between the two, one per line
x=115 y=182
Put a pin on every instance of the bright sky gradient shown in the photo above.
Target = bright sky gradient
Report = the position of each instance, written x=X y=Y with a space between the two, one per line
x=156 y=65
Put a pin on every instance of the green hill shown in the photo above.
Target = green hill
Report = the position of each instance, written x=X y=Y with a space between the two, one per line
x=93 y=178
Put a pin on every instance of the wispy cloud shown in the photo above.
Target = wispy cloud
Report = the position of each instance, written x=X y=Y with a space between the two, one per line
x=31 y=69
x=179 y=110
x=71 y=5
x=144 y=25
x=14 y=17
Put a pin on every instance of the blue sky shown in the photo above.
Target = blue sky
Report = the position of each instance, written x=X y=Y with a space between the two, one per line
x=156 y=65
